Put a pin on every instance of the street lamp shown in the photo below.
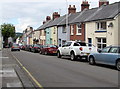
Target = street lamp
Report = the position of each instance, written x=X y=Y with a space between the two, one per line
x=66 y=20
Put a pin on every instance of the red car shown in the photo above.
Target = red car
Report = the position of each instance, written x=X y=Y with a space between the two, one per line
x=49 y=49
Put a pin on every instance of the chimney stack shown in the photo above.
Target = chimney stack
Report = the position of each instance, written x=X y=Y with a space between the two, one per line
x=72 y=9
x=84 y=5
x=103 y=2
x=56 y=15
x=48 y=18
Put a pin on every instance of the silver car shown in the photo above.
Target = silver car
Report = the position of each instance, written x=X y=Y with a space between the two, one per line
x=15 y=47
x=109 y=56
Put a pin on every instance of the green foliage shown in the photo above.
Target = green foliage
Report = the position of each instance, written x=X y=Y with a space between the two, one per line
x=8 y=30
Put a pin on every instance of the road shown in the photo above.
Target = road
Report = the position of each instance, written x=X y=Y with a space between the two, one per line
x=51 y=71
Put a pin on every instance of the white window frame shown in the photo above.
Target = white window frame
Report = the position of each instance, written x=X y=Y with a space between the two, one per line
x=77 y=28
x=101 y=43
x=99 y=27
x=72 y=29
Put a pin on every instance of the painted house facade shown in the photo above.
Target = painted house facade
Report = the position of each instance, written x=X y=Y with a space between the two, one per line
x=27 y=36
x=98 y=26
x=51 y=28
x=77 y=25
x=102 y=28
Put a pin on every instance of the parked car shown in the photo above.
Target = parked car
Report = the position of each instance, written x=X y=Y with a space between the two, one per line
x=49 y=49
x=22 y=47
x=15 y=47
x=76 y=49
x=28 y=48
x=109 y=56
x=36 y=48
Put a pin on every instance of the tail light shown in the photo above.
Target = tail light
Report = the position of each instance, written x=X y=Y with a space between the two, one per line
x=49 y=49
x=81 y=49
x=12 y=46
x=35 y=47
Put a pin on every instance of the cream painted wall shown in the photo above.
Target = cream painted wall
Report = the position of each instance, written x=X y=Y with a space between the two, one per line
x=42 y=37
x=36 y=35
x=54 y=35
x=111 y=35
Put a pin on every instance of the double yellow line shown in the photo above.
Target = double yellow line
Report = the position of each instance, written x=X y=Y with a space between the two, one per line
x=37 y=83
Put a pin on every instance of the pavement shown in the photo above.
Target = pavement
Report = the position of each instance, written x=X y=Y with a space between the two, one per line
x=11 y=74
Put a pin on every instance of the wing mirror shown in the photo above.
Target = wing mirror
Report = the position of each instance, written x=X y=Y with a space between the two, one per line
x=99 y=50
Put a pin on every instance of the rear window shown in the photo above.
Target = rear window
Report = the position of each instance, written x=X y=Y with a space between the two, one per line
x=80 y=44
x=15 y=45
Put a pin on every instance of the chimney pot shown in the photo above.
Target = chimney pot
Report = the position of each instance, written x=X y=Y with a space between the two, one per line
x=84 y=5
x=56 y=15
x=72 y=9
x=103 y=2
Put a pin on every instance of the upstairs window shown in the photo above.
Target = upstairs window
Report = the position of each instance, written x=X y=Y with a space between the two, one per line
x=78 y=30
x=64 y=29
x=101 y=25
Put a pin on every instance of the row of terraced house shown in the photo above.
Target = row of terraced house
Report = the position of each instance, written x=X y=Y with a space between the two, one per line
x=98 y=26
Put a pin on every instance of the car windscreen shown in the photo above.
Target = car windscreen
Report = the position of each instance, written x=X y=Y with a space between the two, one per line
x=37 y=45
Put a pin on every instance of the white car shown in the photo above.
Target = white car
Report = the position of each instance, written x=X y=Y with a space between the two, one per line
x=76 y=49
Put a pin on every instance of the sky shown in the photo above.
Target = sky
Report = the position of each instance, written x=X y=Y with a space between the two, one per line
x=23 y=13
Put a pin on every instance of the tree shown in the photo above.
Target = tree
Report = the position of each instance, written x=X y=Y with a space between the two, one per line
x=8 y=30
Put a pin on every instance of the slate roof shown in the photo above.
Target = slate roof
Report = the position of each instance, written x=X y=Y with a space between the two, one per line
x=70 y=17
x=56 y=21
x=102 y=13
x=95 y=14
x=44 y=25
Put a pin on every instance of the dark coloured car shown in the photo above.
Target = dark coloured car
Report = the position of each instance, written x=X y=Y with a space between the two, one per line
x=49 y=49
x=109 y=56
x=28 y=48
x=36 y=48
x=22 y=47
x=15 y=47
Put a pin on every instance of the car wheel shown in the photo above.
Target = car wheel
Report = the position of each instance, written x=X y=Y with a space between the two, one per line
x=46 y=53
x=40 y=52
x=72 y=56
x=58 y=54
x=118 y=65
x=91 y=60
x=33 y=51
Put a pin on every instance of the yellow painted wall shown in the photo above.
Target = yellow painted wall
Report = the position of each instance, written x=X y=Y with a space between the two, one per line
x=54 y=35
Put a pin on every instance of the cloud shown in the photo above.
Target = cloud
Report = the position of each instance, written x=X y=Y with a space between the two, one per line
x=22 y=13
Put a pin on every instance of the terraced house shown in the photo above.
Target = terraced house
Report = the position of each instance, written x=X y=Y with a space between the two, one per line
x=102 y=26
x=98 y=26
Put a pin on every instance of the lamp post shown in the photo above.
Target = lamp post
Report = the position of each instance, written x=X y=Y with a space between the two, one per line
x=66 y=20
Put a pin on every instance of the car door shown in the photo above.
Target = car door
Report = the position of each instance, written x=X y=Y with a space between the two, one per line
x=65 y=48
x=103 y=56
x=112 y=55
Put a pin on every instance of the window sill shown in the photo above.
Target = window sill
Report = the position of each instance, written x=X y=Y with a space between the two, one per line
x=79 y=34
x=99 y=31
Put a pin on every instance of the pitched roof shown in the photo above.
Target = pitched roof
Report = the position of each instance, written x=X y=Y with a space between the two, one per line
x=94 y=14
x=44 y=25
x=100 y=13
x=70 y=17
x=56 y=21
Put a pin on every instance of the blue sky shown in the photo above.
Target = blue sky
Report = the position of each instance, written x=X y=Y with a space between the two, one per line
x=22 y=13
